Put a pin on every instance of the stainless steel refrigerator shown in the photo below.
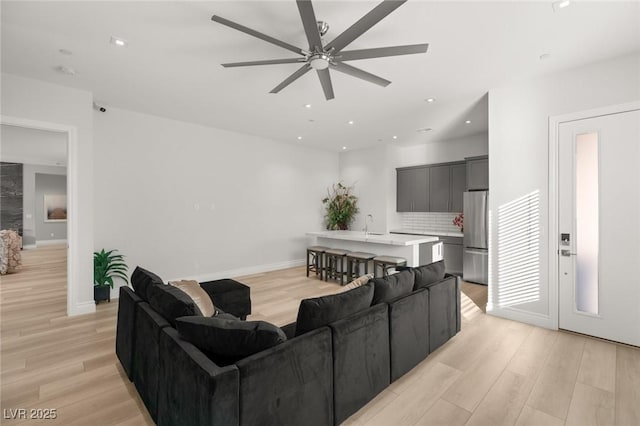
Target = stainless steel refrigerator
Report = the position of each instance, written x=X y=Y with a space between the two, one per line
x=476 y=256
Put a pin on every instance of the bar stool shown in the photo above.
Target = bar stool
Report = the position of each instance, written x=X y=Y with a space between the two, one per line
x=315 y=255
x=354 y=260
x=334 y=264
x=387 y=262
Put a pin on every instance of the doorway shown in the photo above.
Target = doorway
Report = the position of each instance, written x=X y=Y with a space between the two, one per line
x=597 y=243
x=74 y=258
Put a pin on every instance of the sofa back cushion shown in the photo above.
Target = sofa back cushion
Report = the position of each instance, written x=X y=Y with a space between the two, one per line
x=320 y=311
x=226 y=339
x=428 y=274
x=393 y=286
x=171 y=302
x=141 y=280
x=198 y=295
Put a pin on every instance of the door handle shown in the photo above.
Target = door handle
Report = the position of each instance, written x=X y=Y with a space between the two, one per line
x=567 y=253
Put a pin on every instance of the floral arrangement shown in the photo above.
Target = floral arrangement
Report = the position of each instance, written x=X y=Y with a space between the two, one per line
x=341 y=205
x=459 y=221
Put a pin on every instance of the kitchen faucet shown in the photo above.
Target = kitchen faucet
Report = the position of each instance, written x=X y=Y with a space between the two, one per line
x=366 y=228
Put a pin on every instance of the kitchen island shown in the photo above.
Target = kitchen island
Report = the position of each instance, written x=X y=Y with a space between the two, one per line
x=418 y=250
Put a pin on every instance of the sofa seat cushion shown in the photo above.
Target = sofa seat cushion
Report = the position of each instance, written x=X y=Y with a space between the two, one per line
x=198 y=295
x=141 y=280
x=226 y=339
x=393 y=286
x=428 y=274
x=171 y=302
x=320 y=311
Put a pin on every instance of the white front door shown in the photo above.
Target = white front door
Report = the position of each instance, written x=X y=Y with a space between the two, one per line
x=599 y=225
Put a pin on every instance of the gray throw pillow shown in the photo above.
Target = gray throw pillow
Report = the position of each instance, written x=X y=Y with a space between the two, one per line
x=226 y=337
x=428 y=274
x=392 y=286
x=141 y=280
x=171 y=302
x=320 y=311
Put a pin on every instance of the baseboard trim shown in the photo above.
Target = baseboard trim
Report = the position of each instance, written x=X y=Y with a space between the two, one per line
x=29 y=246
x=82 y=308
x=250 y=270
x=519 y=315
x=43 y=243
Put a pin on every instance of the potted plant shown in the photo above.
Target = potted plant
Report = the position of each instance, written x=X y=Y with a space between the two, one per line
x=341 y=205
x=106 y=266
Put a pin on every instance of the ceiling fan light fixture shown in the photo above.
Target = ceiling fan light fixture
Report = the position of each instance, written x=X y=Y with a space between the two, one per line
x=319 y=61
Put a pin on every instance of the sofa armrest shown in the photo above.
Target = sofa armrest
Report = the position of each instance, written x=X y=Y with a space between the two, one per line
x=289 y=384
x=193 y=390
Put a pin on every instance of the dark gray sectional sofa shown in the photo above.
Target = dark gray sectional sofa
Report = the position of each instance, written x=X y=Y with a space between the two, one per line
x=342 y=351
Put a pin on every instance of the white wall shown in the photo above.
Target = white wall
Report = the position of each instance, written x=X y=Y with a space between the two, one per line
x=367 y=169
x=373 y=171
x=519 y=155
x=36 y=100
x=184 y=200
x=29 y=200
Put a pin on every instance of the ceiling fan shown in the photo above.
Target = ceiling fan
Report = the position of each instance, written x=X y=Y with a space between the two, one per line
x=323 y=57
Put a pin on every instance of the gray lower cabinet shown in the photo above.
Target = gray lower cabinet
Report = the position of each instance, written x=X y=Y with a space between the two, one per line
x=453 y=254
x=412 y=189
x=477 y=173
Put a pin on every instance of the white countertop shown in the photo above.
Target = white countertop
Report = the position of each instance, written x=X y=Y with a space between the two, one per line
x=389 y=239
x=421 y=232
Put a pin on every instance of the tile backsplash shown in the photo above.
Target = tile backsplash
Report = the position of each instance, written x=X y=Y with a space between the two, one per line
x=429 y=221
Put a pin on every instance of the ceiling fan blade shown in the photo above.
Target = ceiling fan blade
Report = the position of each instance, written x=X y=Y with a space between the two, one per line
x=325 y=81
x=257 y=34
x=377 y=14
x=379 y=52
x=293 y=77
x=310 y=24
x=357 y=72
x=265 y=62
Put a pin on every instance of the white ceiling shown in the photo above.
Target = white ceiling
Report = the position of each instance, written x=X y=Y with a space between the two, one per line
x=171 y=67
x=32 y=146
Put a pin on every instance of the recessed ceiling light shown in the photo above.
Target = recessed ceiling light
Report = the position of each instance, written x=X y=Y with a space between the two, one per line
x=66 y=52
x=430 y=100
x=394 y=137
x=350 y=122
x=299 y=138
x=425 y=130
x=467 y=122
x=344 y=147
x=544 y=56
x=118 y=41
x=557 y=5
x=307 y=105
x=65 y=70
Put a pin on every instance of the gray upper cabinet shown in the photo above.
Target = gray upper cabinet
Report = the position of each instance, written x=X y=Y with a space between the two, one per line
x=412 y=189
x=439 y=188
x=431 y=188
x=477 y=173
x=458 y=186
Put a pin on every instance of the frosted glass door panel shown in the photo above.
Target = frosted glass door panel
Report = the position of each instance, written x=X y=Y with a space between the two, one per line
x=587 y=218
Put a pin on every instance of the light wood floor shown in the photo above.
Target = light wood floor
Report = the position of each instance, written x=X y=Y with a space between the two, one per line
x=494 y=372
